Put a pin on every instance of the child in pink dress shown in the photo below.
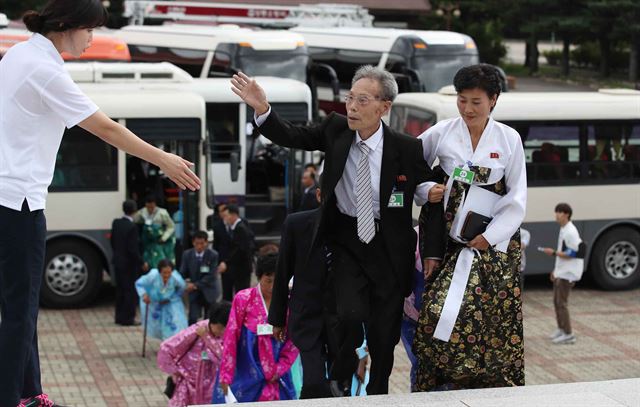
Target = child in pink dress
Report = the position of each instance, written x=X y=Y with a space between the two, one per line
x=192 y=357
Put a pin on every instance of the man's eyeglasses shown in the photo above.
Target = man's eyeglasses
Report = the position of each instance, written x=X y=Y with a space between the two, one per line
x=360 y=100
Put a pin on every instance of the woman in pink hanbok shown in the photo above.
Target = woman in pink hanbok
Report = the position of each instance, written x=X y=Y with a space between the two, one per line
x=192 y=357
x=255 y=366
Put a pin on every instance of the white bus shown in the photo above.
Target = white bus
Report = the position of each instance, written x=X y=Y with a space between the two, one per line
x=422 y=61
x=242 y=171
x=92 y=179
x=580 y=148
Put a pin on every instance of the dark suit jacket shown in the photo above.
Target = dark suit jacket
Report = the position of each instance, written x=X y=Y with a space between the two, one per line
x=221 y=239
x=208 y=283
x=240 y=257
x=403 y=166
x=125 y=245
x=308 y=200
x=307 y=265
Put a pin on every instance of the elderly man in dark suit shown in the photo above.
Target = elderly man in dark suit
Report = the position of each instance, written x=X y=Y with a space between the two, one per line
x=127 y=262
x=308 y=200
x=199 y=268
x=238 y=263
x=371 y=175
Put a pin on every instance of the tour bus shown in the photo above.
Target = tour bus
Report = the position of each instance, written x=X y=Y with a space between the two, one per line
x=261 y=178
x=103 y=47
x=580 y=148
x=421 y=61
x=92 y=179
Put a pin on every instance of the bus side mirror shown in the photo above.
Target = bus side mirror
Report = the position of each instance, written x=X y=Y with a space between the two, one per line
x=234 y=162
x=326 y=74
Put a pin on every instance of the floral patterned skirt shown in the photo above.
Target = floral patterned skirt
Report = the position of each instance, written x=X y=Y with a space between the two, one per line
x=486 y=346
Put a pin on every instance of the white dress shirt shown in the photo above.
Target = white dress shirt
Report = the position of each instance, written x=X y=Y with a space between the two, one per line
x=346 y=188
x=499 y=148
x=37 y=100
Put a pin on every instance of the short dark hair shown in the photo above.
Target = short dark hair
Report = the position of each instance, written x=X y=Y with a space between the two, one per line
x=164 y=263
x=564 y=208
x=310 y=165
x=232 y=208
x=129 y=207
x=266 y=265
x=200 y=234
x=479 y=76
x=219 y=313
x=150 y=198
x=63 y=15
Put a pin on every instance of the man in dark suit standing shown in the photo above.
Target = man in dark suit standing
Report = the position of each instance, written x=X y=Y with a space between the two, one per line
x=238 y=263
x=370 y=177
x=127 y=263
x=306 y=263
x=199 y=268
x=308 y=200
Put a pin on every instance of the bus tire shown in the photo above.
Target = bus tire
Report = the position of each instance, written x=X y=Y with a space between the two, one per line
x=72 y=274
x=615 y=260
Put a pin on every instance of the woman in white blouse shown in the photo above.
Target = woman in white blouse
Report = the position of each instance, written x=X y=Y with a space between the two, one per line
x=38 y=100
x=470 y=327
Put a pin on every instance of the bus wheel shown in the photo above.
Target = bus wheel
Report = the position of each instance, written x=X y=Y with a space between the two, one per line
x=72 y=275
x=615 y=263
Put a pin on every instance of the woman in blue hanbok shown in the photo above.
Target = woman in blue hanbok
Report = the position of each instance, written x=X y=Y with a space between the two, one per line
x=161 y=290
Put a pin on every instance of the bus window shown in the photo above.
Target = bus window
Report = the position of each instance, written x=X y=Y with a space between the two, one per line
x=223 y=129
x=84 y=163
x=290 y=64
x=222 y=61
x=411 y=121
x=613 y=152
x=436 y=65
x=345 y=61
x=190 y=60
x=552 y=152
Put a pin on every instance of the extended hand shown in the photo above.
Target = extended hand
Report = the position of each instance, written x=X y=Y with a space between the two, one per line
x=429 y=266
x=278 y=333
x=548 y=251
x=222 y=267
x=274 y=379
x=225 y=388
x=249 y=91
x=146 y=299
x=179 y=171
x=191 y=287
x=202 y=331
x=436 y=193
x=479 y=243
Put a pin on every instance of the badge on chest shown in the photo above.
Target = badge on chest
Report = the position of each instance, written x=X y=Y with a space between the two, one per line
x=462 y=175
x=396 y=200
x=265 y=329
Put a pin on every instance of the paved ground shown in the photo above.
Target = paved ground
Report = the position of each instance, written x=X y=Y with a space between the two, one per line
x=89 y=361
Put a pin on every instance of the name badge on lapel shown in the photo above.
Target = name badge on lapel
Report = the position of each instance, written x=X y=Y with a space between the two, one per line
x=465 y=176
x=396 y=200
x=204 y=355
x=265 y=329
x=204 y=269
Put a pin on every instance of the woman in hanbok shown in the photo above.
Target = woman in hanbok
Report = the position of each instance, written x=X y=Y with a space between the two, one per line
x=469 y=331
x=192 y=357
x=255 y=366
x=158 y=232
x=161 y=290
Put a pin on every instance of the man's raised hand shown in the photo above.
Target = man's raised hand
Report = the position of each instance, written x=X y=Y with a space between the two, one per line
x=250 y=92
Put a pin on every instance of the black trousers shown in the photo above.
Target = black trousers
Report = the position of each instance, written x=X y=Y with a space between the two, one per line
x=22 y=249
x=367 y=295
x=314 y=379
x=232 y=283
x=197 y=305
x=126 y=295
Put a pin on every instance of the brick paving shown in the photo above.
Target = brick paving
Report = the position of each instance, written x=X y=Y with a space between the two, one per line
x=87 y=360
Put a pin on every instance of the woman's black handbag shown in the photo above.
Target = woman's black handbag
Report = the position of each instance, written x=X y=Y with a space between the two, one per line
x=170 y=387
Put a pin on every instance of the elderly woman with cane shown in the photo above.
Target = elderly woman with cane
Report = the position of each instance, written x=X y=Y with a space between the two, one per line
x=38 y=100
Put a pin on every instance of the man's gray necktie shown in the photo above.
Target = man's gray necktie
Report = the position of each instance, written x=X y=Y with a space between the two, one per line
x=364 y=197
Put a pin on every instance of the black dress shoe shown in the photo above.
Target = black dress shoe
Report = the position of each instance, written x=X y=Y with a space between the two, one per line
x=339 y=389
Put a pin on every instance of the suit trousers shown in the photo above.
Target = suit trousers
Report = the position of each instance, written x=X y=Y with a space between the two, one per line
x=126 y=295
x=197 y=304
x=22 y=249
x=367 y=294
x=314 y=372
x=232 y=283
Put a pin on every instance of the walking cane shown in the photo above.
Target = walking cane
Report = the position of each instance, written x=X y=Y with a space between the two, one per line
x=144 y=338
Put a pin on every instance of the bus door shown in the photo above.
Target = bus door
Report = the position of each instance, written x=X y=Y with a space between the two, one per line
x=180 y=136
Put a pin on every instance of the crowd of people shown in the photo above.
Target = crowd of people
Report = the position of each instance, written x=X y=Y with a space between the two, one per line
x=351 y=276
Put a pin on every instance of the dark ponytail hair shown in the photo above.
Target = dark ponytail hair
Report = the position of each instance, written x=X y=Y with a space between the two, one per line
x=63 y=15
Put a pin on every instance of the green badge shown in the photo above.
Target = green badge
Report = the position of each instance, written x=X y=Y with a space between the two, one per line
x=396 y=200
x=204 y=355
x=461 y=175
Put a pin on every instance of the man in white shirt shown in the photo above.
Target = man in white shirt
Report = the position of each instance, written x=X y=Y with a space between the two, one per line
x=567 y=271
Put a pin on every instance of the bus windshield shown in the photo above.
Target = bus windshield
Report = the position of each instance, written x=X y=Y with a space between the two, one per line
x=284 y=64
x=437 y=70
